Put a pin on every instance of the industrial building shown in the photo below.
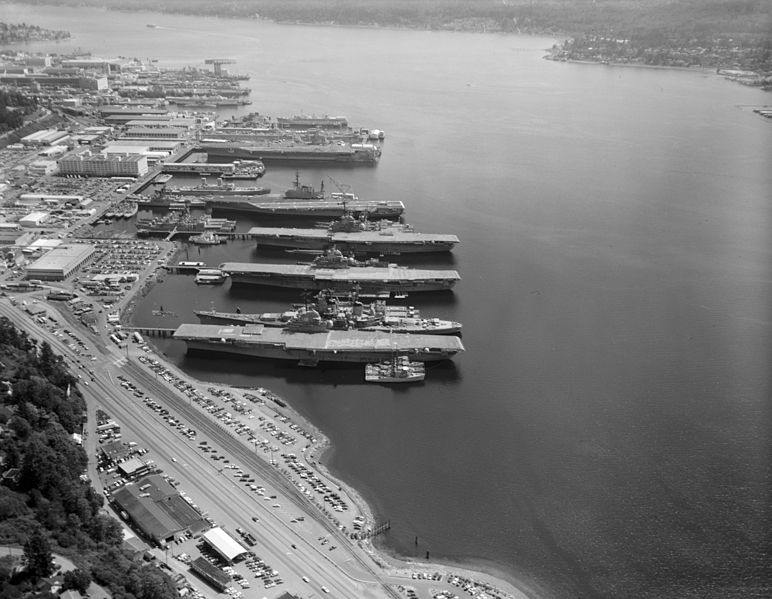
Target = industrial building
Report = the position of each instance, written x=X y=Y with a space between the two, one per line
x=153 y=145
x=38 y=81
x=34 y=219
x=42 y=168
x=103 y=165
x=61 y=262
x=223 y=544
x=155 y=133
x=210 y=573
x=45 y=137
x=157 y=510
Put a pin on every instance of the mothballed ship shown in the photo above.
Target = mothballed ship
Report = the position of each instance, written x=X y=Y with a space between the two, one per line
x=333 y=270
x=310 y=348
x=331 y=313
x=358 y=235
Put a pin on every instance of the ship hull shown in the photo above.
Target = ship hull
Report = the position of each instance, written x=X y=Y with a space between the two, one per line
x=342 y=285
x=291 y=155
x=415 y=326
x=387 y=246
x=303 y=208
x=332 y=346
x=307 y=356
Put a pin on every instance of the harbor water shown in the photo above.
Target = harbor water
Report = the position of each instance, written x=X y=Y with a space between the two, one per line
x=607 y=432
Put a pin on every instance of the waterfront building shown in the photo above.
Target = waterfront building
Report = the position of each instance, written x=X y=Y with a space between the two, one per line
x=152 y=145
x=155 y=133
x=61 y=262
x=104 y=165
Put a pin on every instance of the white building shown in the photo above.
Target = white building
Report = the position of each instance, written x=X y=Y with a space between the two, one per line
x=60 y=262
x=104 y=165
x=34 y=219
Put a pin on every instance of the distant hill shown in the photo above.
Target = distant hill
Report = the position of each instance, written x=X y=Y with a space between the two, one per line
x=734 y=18
x=719 y=34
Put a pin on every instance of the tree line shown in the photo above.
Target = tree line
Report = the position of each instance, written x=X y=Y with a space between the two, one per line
x=14 y=106
x=45 y=505
x=747 y=19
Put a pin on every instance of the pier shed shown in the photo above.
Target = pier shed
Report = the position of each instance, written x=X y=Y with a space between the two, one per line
x=223 y=544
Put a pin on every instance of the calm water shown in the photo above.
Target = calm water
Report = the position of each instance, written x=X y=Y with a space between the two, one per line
x=607 y=433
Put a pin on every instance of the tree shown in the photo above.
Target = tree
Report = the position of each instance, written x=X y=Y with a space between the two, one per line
x=37 y=555
x=77 y=579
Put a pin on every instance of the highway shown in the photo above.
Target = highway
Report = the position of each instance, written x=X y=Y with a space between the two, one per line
x=296 y=548
x=343 y=571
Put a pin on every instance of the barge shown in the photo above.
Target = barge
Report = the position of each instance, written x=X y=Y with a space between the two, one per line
x=311 y=348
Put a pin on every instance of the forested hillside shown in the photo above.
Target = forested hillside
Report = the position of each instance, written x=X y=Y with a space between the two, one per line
x=45 y=506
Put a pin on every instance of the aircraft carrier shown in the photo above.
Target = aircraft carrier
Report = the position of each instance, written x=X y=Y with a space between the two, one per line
x=279 y=205
x=388 y=239
x=311 y=348
x=368 y=279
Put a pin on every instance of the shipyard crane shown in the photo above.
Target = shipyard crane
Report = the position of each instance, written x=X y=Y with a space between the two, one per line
x=344 y=189
x=218 y=62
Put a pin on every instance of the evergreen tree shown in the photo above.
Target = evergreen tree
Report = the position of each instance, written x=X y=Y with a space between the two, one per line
x=37 y=554
x=77 y=579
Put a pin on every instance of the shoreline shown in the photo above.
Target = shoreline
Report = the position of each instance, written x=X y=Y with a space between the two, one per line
x=507 y=585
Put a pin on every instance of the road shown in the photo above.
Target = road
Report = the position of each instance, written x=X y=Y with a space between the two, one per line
x=347 y=571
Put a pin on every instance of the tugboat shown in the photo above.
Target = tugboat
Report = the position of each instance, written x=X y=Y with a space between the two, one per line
x=207 y=238
x=397 y=370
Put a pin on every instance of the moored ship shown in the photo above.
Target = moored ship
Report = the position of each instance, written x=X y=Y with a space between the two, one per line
x=180 y=223
x=399 y=369
x=333 y=270
x=210 y=276
x=220 y=188
x=285 y=152
x=207 y=238
x=311 y=348
x=304 y=200
x=356 y=234
x=341 y=314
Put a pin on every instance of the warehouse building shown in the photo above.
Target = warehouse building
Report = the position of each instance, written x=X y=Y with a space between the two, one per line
x=61 y=262
x=210 y=573
x=157 y=510
x=34 y=219
x=104 y=165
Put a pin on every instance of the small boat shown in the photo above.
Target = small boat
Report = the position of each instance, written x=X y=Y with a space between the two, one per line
x=397 y=370
x=207 y=238
x=210 y=276
x=152 y=26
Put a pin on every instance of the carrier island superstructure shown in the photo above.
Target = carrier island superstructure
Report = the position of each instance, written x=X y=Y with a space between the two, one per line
x=311 y=348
